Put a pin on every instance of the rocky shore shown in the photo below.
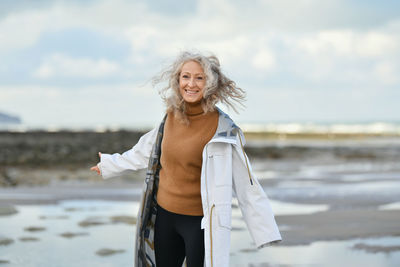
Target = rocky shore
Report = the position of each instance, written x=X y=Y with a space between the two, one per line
x=63 y=148
x=38 y=157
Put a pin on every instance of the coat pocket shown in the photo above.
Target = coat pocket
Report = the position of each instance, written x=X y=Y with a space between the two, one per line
x=224 y=215
x=220 y=169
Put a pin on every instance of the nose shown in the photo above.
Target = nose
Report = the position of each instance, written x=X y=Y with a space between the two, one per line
x=191 y=82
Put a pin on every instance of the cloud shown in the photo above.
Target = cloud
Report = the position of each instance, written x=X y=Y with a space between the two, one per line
x=118 y=104
x=265 y=37
x=375 y=44
x=58 y=65
x=265 y=46
x=387 y=72
x=21 y=29
x=264 y=60
x=349 y=43
x=24 y=28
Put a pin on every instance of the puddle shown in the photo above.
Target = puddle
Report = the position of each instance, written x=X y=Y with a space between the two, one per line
x=362 y=177
x=266 y=174
x=12 y=195
x=292 y=189
x=300 y=184
x=391 y=206
x=322 y=253
x=285 y=208
x=78 y=251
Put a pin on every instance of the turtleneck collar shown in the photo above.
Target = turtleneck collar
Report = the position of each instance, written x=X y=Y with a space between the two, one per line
x=193 y=109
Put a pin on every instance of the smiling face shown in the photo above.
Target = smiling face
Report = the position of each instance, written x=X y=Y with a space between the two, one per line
x=191 y=82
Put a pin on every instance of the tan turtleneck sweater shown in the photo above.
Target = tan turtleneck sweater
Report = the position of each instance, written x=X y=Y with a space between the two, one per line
x=181 y=160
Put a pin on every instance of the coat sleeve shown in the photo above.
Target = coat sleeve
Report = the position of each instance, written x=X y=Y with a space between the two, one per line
x=112 y=165
x=253 y=201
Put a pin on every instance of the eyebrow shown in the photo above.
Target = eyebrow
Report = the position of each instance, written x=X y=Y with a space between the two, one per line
x=199 y=73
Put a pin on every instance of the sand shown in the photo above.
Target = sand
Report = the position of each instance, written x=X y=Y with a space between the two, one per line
x=339 y=225
x=360 y=221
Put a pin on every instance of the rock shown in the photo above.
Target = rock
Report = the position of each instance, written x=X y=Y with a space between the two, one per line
x=4 y=241
x=73 y=209
x=28 y=239
x=6 y=210
x=6 y=179
x=71 y=235
x=108 y=252
x=123 y=219
x=34 y=229
x=91 y=221
x=238 y=228
x=247 y=250
x=60 y=217
x=376 y=248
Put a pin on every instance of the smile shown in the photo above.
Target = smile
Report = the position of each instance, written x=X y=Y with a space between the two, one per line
x=191 y=92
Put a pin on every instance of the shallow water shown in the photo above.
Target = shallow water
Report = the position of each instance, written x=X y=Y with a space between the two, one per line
x=321 y=253
x=54 y=250
x=391 y=206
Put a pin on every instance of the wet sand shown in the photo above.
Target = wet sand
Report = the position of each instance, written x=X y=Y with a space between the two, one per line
x=347 y=217
x=339 y=225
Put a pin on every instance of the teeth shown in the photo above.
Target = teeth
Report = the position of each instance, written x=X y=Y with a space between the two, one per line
x=191 y=91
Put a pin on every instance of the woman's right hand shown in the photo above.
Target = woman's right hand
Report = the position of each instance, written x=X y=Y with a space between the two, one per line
x=96 y=168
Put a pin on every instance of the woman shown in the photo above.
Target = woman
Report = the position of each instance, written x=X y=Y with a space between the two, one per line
x=194 y=158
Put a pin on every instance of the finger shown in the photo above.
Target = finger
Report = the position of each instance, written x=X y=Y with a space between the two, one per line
x=94 y=168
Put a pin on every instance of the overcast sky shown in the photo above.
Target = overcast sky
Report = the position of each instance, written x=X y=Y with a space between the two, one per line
x=88 y=63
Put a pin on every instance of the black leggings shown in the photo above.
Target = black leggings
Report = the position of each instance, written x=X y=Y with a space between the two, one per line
x=177 y=236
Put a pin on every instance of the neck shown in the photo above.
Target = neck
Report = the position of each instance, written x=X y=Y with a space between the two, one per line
x=194 y=108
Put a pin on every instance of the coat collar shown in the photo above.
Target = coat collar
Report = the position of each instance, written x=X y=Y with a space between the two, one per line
x=227 y=130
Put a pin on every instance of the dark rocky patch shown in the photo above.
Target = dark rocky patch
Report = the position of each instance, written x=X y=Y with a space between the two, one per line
x=108 y=252
x=123 y=219
x=247 y=250
x=376 y=248
x=73 y=209
x=34 y=229
x=91 y=221
x=71 y=235
x=6 y=210
x=59 y=217
x=28 y=239
x=4 y=241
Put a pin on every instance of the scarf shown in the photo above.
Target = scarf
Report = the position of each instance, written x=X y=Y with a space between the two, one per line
x=144 y=252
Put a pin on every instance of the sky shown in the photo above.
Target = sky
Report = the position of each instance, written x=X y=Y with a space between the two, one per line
x=89 y=63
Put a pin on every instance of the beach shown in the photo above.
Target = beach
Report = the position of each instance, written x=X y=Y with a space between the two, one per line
x=336 y=202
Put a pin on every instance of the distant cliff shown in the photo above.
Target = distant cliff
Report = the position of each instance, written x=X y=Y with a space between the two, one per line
x=5 y=118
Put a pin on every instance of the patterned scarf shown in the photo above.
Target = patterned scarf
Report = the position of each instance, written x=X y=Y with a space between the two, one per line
x=144 y=253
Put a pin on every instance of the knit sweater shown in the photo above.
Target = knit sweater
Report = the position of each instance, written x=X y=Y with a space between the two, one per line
x=181 y=160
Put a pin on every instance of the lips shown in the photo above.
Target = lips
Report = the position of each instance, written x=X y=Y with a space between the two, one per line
x=191 y=92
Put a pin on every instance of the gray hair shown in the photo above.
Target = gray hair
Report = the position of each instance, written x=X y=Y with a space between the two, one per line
x=218 y=87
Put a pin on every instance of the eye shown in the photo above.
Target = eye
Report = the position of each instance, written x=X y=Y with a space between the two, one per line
x=200 y=78
x=185 y=76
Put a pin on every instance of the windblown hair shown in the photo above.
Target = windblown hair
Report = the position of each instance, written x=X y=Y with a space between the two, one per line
x=218 y=87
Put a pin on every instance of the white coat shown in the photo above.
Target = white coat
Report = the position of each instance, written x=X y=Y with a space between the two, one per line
x=225 y=169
